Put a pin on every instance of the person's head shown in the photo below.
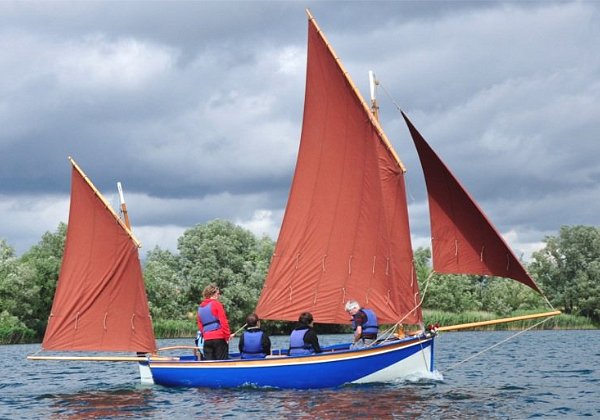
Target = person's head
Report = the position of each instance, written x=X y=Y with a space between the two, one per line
x=305 y=318
x=352 y=307
x=211 y=291
x=252 y=320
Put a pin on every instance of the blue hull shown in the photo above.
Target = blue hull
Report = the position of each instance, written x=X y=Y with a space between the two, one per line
x=332 y=368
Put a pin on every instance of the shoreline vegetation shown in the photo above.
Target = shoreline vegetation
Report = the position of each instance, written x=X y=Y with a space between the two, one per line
x=176 y=328
x=567 y=269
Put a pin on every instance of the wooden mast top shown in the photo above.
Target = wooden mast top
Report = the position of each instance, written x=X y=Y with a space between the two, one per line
x=372 y=118
x=105 y=202
x=123 y=206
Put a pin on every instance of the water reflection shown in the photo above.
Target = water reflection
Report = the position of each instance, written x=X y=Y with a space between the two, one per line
x=102 y=404
x=386 y=401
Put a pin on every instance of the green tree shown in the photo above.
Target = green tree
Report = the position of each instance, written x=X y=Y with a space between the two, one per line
x=422 y=260
x=18 y=290
x=453 y=293
x=568 y=269
x=164 y=286
x=504 y=296
x=230 y=256
x=44 y=259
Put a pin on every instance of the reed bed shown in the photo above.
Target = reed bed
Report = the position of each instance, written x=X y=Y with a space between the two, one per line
x=562 y=322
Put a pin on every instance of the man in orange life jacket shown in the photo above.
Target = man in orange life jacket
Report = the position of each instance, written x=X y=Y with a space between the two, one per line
x=364 y=323
x=213 y=325
x=254 y=342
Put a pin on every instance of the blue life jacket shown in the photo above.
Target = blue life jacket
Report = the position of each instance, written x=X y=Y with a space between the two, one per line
x=208 y=320
x=297 y=344
x=253 y=345
x=369 y=327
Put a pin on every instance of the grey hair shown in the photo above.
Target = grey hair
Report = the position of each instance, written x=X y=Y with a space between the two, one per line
x=352 y=304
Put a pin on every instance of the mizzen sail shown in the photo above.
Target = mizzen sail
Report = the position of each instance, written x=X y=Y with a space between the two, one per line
x=463 y=240
x=345 y=233
x=100 y=302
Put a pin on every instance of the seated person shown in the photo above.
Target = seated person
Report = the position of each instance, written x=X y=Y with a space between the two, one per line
x=364 y=324
x=254 y=342
x=303 y=339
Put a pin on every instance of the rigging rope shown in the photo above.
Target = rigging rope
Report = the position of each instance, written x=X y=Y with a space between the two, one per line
x=388 y=333
x=495 y=345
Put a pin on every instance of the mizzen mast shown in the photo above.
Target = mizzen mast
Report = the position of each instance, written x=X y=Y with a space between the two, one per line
x=123 y=206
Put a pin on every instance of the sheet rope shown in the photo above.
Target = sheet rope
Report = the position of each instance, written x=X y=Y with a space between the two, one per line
x=495 y=345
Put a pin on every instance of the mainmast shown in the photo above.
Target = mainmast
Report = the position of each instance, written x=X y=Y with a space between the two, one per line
x=373 y=82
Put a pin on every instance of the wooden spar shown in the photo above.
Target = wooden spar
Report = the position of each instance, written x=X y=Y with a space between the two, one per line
x=372 y=118
x=99 y=358
x=105 y=202
x=123 y=206
x=497 y=321
x=372 y=84
x=178 y=348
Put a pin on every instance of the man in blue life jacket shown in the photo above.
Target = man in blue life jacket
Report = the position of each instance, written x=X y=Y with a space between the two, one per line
x=364 y=323
x=303 y=339
x=254 y=342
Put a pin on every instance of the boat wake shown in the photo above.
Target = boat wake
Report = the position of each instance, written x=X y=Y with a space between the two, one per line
x=435 y=376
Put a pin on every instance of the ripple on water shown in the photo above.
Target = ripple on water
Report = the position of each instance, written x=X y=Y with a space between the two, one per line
x=531 y=378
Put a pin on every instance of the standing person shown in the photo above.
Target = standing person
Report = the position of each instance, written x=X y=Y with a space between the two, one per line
x=364 y=323
x=254 y=342
x=303 y=339
x=213 y=324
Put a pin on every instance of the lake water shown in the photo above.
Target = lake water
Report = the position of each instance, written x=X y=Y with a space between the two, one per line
x=536 y=374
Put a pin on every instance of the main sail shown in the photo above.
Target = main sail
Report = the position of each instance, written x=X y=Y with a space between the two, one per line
x=100 y=302
x=345 y=233
x=463 y=240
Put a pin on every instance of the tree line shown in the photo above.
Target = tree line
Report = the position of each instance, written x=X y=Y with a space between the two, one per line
x=567 y=269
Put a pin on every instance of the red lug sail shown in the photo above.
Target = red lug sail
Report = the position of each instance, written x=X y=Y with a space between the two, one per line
x=345 y=233
x=464 y=241
x=100 y=302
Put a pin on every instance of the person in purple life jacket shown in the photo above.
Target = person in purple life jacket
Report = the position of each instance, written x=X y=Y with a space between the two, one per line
x=364 y=323
x=303 y=339
x=254 y=342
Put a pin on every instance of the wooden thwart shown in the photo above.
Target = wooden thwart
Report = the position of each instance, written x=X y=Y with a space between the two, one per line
x=497 y=321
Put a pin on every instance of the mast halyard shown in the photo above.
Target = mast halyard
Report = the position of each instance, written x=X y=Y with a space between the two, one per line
x=123 y=206
x=373 y=82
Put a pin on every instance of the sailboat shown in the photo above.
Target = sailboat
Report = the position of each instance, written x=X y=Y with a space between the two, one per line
x=345 y=235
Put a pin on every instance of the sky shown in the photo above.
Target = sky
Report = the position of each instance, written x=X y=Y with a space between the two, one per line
x=196 y=107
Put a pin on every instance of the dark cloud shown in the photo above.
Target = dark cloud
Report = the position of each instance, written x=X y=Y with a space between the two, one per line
x=196 y=106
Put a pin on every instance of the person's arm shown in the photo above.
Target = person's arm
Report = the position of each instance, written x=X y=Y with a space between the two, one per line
x=357 y=333
x=266 y=344
x=241 y=344
x=219 y=312
x=312 y=339
x=359 y=319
